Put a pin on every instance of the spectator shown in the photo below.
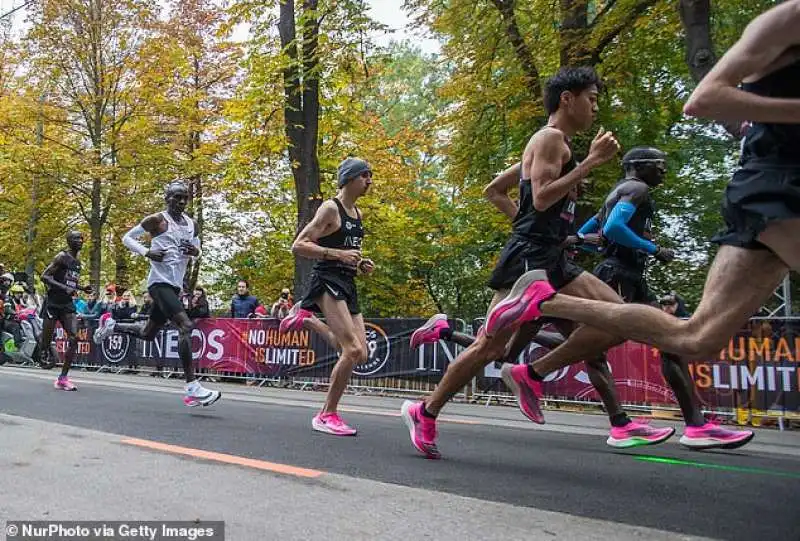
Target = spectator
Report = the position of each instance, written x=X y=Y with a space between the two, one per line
x=147 y=305
x=80 y=304
x=281 y=308
x=94 y=308
x=243 y=304
x=126 y=308
x=8 y=305
x=199 y=304
x=673 y=304
x=109 y=300
x=260 y=313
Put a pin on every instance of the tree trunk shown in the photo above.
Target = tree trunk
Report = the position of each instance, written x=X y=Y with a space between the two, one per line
x=121 y=266
x=574 y=33
x=196 y=202
x=523 y=52
x=700 y=57
x=301 y=120
x=33 y=219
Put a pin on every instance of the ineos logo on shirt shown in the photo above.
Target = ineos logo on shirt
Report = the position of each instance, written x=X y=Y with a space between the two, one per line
x=378 y=349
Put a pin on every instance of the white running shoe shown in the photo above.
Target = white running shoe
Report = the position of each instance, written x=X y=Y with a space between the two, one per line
x=197 y=395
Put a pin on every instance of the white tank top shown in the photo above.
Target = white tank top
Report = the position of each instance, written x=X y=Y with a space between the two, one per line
x=173 y=268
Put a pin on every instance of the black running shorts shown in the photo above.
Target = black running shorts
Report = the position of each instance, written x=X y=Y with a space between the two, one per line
x=520 y=255
x=338 y=286
x=166 y=303
x=628 y=283
x=753 y=199
x=56 y=311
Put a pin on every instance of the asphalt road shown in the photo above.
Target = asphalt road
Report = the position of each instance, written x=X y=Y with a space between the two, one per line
x=742 y=494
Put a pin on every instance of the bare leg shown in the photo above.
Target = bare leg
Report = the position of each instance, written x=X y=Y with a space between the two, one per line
x=521 y=340
x=738 y=283
x=676 y=374
x=314 y=324
x=584 y=342
x=782 y=238
x=185 y=328
x=461 y=339
x=69 y=322
x=468 y=363
x=147 y=331
x=349 y=332
x=48 y=328
x=601 y=379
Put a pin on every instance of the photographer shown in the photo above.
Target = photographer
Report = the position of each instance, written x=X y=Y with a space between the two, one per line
x=281 y=308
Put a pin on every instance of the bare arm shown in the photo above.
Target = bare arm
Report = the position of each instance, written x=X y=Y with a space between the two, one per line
x=550 y=152
x=765 y=40
x=48 y=274
x=497 y=190
x=325 y=222
x=549 y=155
x=192 y=248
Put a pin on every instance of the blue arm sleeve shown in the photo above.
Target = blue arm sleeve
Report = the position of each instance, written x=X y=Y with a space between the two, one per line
x=617 y=230
x=592 y=225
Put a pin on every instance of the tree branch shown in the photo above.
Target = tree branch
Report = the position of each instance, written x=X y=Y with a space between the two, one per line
x=626 y=22
x=602 y=13
x=506 y=9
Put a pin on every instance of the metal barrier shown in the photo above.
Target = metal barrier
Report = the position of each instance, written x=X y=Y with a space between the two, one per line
x=755 y=380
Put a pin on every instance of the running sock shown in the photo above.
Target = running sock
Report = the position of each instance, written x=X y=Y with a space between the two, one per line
x=446 y=334
x=426 y=413
x=533 y=375
x=620 y=419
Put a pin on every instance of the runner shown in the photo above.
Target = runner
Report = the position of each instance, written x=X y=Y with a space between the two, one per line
x=629 y=234
x=548 y=181
x=761 y=209
x=174 y=241
x=334 y=237
x=61 y=278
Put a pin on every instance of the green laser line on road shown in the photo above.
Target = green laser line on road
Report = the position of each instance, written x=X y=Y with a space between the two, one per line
x=706 y=465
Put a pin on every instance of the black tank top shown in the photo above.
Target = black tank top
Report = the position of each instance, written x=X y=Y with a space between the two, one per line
x=549 y=226
x=69 y=275
x=347 y=237
x=774 y=144
x=640 y=223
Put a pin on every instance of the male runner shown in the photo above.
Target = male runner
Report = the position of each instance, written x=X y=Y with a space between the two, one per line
x=548 y=186
x=334 y=237
x=61 y=278
x=625 y=222
x=761 y=208
x=173 y=241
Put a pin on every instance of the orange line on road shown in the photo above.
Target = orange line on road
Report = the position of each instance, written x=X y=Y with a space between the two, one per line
x=227 y=459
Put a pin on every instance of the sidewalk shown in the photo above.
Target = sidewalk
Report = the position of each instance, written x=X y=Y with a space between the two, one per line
x=767 y=440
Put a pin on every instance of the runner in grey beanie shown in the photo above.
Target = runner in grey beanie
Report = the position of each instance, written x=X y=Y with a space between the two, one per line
x=350 y=168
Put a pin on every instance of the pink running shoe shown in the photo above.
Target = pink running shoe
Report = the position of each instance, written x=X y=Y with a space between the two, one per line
x=105 y=328
x=636 y=433
x=294 y=319
x=522 y=304
x=64 y=384
x=713 y=436
x=421 y=428
x=528 y=391
x=430 y=332
x=331 y=423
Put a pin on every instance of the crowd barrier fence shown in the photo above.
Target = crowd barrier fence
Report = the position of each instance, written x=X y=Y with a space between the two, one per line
x=754 y=380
